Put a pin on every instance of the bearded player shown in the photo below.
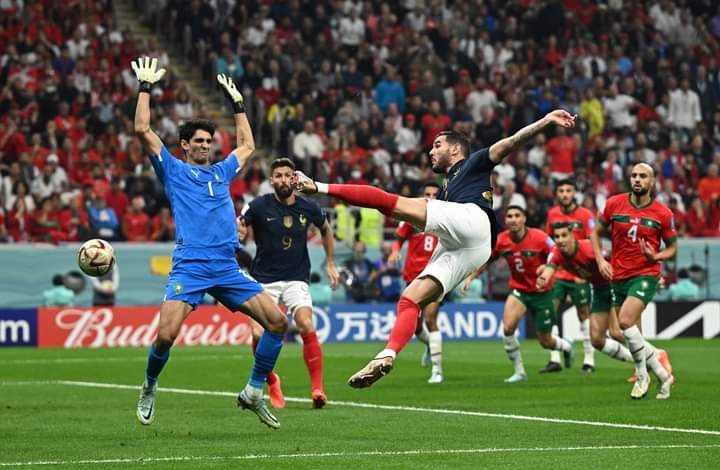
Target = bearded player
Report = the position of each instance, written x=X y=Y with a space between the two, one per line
x=462 y=218
x=637 y=223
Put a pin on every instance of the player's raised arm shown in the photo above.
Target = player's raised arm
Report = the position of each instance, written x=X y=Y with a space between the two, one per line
x=147 y=74
x=245 y=143
x=328 y=242
x=508 y=145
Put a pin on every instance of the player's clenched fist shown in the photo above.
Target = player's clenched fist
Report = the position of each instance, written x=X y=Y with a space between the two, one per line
x=146 y=70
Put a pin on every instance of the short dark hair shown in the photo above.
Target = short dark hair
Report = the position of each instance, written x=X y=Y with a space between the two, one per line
x=431 y=184
x=516 y=207
x=683 y=274
x=188 y=128
x=558 y=225
x=455 y=137
x=282 y=162
x=58 y=280
x=565 y=181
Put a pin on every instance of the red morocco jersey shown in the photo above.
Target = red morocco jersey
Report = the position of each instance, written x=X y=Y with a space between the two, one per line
x=582 y=223
x=581 y=263
x=524 y=257
x=420 y=248
x=629 y=224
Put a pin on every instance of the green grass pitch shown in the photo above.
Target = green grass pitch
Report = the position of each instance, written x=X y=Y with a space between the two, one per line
x=53 y=415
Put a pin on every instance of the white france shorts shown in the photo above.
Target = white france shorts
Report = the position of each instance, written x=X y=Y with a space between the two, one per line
x=465 y=241
x=293 y=294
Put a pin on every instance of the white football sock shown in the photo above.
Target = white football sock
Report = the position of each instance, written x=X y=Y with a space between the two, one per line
x=651 y=357
x=555 y=355
x=422 y=335
x=435 y=342
x=616 y=350
x=512 y=348
x=562 y=344
x=636 y=344
x=587 y=343
x=386 y=353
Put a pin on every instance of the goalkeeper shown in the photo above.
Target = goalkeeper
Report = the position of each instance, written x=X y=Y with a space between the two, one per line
x=204 y=256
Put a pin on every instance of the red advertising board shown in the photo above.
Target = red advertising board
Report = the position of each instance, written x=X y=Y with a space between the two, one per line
x=103 y=327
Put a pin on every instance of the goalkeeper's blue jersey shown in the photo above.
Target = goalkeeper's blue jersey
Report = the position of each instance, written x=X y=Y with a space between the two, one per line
x=204 y=212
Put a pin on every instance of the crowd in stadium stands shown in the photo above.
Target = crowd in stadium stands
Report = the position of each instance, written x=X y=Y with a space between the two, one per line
x=355 y=91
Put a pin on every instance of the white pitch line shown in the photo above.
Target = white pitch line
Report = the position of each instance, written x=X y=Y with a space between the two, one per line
x=376 y=453
x=353 y=404
x=81 y=360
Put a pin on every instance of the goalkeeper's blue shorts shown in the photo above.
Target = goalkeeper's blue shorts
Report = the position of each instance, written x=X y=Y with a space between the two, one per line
x=223 y=279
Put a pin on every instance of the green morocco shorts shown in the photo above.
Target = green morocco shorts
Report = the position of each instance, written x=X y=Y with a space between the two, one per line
x=601 y=299
x=642 y=287
x=540 y=305
x=579 y=293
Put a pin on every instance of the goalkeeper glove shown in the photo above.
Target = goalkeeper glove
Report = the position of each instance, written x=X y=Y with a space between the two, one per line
x=146 y=72
x=232 y=93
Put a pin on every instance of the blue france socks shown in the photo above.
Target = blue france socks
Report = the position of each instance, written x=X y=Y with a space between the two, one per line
x=266 y=354
x=156 y=362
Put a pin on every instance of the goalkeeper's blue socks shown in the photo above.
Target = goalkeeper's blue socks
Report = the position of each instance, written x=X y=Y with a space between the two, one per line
x=156 y=362
x=266 y=354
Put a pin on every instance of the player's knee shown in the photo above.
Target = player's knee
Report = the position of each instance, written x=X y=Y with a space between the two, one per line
x=598 y=341
x=547 y=341
x=625 y=323
x=164 y=341
x=277 y=323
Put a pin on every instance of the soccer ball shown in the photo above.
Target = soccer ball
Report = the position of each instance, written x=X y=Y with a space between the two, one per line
x=96 y=257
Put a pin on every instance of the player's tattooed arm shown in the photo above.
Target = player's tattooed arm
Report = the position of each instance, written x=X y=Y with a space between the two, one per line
x=504 y=147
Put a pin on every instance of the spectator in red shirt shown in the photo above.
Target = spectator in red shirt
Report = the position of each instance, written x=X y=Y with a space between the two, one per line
x=163 y=226
x=561 y=151
x=698 y=220
x=434 y=122
x=117 y=198
x=709 y=187
x=136 y=223
x=3 y=227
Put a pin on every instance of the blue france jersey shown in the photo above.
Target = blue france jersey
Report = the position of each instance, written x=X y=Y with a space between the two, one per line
x=204 y=212
x=469 y=180
x=281 y=237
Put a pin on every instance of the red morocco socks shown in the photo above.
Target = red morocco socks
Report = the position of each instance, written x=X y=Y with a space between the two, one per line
x=404 y=329
x=312 y=353
x=364 y=196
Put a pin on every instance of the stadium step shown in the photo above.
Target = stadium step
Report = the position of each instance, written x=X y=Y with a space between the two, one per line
x=129 y=18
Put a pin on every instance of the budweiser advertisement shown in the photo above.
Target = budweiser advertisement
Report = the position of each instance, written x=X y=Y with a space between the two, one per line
x=109 y=327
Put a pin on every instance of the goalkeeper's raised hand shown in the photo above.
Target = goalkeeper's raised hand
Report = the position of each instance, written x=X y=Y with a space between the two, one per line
x=231 y=92
x=147 y=72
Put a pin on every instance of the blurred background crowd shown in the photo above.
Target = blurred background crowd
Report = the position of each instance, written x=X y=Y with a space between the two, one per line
x=355 y=91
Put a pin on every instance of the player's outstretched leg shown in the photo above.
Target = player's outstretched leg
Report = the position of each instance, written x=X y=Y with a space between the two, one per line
x=356 y=194
x=381 y=365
